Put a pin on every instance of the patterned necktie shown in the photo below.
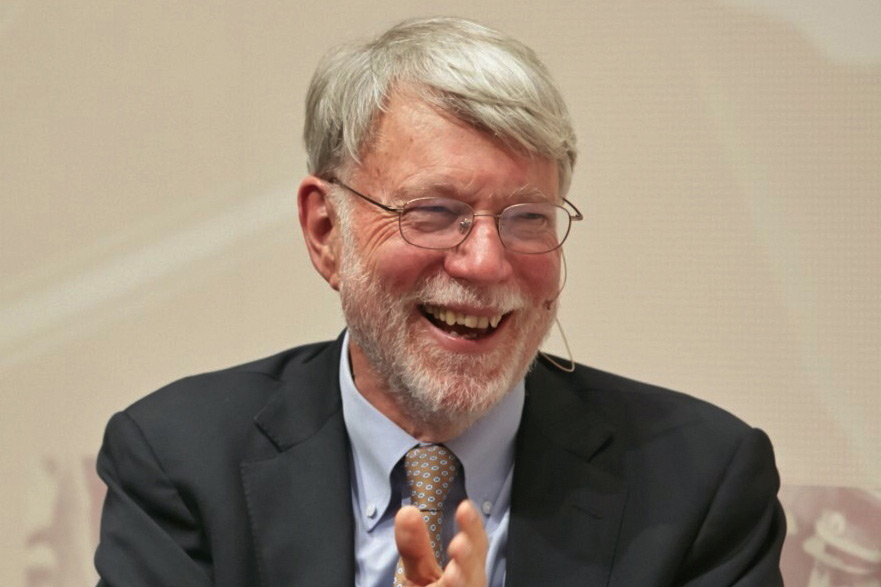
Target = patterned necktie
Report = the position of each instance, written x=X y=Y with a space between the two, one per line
x=431 y=471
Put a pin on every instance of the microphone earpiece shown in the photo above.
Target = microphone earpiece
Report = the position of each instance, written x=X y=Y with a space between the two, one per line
x=548 y=304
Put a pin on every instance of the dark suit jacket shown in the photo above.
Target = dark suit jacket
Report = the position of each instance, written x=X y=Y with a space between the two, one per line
x=241 y=478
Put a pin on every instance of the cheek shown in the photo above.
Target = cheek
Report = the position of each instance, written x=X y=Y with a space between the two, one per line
x=399 y=264
x=539 y=274
x=381 y=248
x=371 y=238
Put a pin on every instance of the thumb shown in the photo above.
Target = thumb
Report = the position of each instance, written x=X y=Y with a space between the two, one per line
x=414 y=546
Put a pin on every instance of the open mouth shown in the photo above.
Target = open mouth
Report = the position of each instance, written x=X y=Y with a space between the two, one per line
x=467 y=326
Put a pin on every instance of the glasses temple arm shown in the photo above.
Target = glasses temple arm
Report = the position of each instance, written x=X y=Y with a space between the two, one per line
x=335 y=181
x=578 y=214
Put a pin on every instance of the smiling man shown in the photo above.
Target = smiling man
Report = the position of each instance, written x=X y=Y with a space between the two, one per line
x=442 y=319
x=432 y=444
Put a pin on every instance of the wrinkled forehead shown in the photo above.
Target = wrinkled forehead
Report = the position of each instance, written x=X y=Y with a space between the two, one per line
x=412 y=116
x=417 y=150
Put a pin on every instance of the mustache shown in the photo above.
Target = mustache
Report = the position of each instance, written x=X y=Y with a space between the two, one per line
x=442 y=290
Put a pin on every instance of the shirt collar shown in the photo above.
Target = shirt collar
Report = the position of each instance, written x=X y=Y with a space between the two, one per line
x=486 y=449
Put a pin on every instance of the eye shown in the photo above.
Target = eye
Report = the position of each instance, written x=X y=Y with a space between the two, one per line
x=433 y=214
x=530 y=216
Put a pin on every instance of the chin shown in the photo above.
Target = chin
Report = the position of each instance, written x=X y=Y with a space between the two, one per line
x=441 y=385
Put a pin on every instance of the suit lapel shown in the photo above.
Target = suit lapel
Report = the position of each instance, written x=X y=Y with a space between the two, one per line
x=567 y=500
x=566 y=505
x=299 y=500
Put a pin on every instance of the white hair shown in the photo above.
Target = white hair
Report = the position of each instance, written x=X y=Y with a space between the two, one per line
x=477 y=74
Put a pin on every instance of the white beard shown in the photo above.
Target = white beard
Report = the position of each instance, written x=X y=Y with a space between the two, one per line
x=432 y=384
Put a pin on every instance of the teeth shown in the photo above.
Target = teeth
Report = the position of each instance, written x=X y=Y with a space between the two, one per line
x=452 y=318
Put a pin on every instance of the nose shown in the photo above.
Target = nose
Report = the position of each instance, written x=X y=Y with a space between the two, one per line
x=481 y=258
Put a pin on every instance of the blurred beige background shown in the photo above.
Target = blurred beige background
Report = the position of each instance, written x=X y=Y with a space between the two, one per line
x=150 y=152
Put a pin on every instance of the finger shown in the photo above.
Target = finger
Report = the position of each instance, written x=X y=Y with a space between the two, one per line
x=414 y=547
x=453 y=577
x=471 y=524
x=468 y=549
x=464 y=567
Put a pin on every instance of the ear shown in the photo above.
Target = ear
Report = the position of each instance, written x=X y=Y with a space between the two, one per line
x=318 y=220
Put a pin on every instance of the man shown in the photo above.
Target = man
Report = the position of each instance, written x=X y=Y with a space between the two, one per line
x=439 y=155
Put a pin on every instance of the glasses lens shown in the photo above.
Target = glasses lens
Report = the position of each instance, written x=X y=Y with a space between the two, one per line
x=436 y=223
x=533 y=228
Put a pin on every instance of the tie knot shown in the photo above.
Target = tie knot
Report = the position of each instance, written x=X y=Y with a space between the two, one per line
x=431 y=471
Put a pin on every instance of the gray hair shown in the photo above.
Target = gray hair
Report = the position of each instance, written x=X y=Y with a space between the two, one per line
x=479 y=75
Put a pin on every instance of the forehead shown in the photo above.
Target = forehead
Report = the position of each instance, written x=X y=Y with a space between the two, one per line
x=417 y=149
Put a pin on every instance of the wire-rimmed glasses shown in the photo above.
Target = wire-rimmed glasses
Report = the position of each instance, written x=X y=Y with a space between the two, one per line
x=444 y=223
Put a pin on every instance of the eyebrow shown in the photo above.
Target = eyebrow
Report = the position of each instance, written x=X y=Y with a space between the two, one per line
x=530 y=192
x=411 y=192
x=406 y=193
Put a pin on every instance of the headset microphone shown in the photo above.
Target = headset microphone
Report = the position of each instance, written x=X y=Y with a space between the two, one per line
x=548 y=304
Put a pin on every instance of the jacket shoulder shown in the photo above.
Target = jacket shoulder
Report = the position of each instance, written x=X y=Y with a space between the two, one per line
x=642 y=410
x=225 y=400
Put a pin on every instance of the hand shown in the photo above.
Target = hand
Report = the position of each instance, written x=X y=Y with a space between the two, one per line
x=467 y=551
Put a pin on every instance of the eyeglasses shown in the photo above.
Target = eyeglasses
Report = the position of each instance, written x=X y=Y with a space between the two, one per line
x=444 y=223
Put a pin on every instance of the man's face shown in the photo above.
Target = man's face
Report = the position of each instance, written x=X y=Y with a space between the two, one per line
x=400 y=300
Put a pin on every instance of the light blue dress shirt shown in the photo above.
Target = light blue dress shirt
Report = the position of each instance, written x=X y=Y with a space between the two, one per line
x=486 y=451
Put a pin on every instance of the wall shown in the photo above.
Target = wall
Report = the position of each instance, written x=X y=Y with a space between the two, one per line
x=729 y=174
